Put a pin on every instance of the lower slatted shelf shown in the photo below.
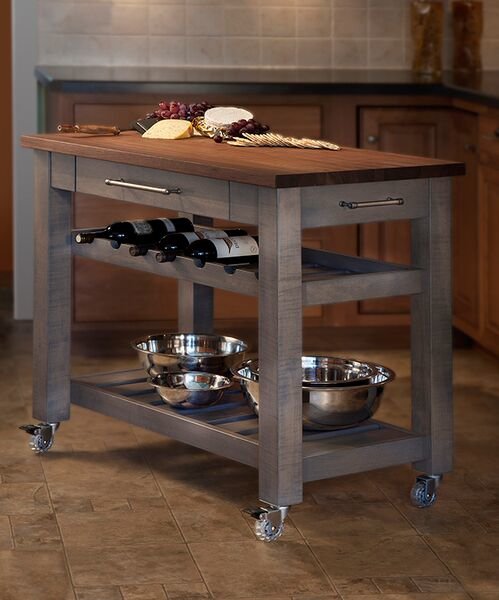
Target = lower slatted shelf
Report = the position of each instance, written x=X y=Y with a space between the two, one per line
x=230 y=428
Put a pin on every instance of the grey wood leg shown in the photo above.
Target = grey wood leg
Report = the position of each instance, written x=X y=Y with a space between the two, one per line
x=195 y=301
x=195 y=307
x=52 y=306
x=431 y=335
x=280 y=347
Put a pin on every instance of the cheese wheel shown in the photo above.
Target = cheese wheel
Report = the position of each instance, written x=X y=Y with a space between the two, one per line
x=223 y=116
x=170 y=129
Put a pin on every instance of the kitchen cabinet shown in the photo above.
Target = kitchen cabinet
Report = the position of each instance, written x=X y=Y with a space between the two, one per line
x=488 y=263
x=279 y=191
x=447 y=133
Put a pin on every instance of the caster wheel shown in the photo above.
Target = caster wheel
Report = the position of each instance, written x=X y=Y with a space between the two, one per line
x=42 y=436
x=424 y=491
x=39 y=445
x=267 y=532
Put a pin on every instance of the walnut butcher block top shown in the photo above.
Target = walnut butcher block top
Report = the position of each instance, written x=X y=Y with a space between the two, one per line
x=269 y=167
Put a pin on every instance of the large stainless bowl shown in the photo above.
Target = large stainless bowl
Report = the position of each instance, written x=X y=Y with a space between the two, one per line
x=190 y=390
x=180 y=352
x=325 y=407
x=333 y=371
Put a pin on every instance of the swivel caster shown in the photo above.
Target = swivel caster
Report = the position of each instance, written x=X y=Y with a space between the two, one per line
x=269 y=524
x=424 y=491
x=42 y=436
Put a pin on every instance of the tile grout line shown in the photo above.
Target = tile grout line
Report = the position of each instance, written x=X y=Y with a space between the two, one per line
x=186 y=543
x=65 y=554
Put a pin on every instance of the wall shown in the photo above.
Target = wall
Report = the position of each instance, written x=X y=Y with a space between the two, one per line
x=305 y=33
x=5 y=148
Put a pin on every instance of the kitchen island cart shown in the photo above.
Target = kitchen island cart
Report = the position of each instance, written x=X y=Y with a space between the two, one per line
x=281 y=191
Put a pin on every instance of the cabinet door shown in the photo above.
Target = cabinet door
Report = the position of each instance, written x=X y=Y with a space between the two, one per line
x=416 y=131
x=465 y=225
x=489 y=253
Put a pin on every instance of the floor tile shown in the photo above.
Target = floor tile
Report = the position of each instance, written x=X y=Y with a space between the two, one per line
x=6 y=542
x=35 y=531
x=240 y=569
x=444 y=517
x=472 y=559
x=410 y=596
x=395 y=585
x=438 y=585
x=23 y=498
x=143 y=592
x=20 y=466
x=100 y=529
x=25 y=573
x=374 y=556
x=187 y=591
x=110 y=474
x=485 y=512
x=98 y=593
x=212 y=521
x=131 y=565
x=353 y=488
x=356 y=586
x=110 y=504
x=356 y=519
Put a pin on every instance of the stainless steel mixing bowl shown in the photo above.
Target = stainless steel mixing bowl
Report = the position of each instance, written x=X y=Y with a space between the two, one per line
x=180 y=352
x=190 y=390
x=333 y=371
x=325 y=407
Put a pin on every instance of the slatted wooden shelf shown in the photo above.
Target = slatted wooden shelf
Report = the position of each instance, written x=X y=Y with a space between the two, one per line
x=327 y=277
x=230 y=428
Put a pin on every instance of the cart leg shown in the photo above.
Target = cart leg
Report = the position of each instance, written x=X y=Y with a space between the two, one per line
x=431 y=335
x=52 y=309
x=195 y=301
x=280 y=347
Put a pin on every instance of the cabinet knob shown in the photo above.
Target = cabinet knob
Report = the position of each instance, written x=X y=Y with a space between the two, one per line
x=372 y=139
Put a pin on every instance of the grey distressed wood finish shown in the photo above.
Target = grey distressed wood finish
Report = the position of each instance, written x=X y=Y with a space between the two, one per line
x=321 y=205
x=52 y=307
x=280 y=346
x=287 y=279
x=195 y=301
x=199 y=195
x=431 y=332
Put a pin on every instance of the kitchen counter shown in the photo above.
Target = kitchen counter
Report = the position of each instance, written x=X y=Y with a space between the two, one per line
x=482 y=87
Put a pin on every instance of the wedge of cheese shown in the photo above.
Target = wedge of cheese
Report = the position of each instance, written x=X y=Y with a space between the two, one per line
x=170 y=129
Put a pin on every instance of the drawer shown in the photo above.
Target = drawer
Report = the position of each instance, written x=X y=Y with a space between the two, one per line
x=197 y=195
x=489 y=140
x=343 y=204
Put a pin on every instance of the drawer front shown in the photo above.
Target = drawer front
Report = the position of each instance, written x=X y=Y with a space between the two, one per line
x=489 y=140
x=198 y=195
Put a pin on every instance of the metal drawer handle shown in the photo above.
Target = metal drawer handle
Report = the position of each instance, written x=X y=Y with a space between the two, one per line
x=143 y=188
x=373 y=203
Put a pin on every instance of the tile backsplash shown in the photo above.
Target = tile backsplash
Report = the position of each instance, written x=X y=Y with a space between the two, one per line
x=245 y=33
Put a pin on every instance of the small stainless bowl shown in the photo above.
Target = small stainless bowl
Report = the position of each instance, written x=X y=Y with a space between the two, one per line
x=190 y=390
x=333 y=371
x=181 y=352
x=325 y=407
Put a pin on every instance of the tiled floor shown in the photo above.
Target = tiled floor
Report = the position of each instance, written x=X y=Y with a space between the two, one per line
x=113 y=512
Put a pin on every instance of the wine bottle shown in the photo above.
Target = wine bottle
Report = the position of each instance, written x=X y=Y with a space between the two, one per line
x=139 y=233
x=173 y=244
x=228 y=250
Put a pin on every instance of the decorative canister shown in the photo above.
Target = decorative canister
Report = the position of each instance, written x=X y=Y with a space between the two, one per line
x=427 y=17
x=467 y=25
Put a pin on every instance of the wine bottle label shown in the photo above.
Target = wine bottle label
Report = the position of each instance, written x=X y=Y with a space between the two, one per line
x=170 y=227
x=192 y=236
x=210 y=234
x=141 y=227
x=229 y=247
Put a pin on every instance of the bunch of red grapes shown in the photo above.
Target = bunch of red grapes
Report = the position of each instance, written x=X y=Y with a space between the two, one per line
x=238 y=128
x=179 y=110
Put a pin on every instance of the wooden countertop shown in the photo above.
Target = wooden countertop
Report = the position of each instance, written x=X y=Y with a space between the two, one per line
x=269 y=167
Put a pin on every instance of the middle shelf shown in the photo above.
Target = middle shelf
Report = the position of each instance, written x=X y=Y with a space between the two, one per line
x=327 y=277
